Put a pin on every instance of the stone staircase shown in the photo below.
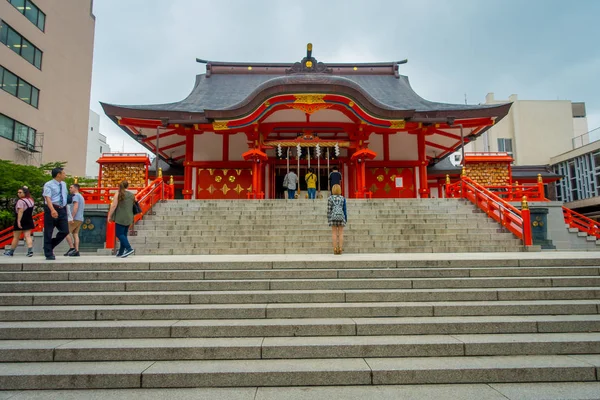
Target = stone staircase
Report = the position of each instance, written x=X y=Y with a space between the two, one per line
x=285 y=320
x=300 y=227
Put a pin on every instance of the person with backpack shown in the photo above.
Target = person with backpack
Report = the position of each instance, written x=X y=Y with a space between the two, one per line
x=122 y=214
x=23 y=221
x=311 y=183
x=337 y=216
x=289 y=182
x=335 y=178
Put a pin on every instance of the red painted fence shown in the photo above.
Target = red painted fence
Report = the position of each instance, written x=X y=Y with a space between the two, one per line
x=515 y=220
x=581 y=222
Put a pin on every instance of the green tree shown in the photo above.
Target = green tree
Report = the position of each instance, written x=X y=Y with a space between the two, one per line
x=14 y=176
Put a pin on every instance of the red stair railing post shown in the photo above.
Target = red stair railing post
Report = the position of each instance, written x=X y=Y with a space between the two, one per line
x=525 y=214
x=110 y=235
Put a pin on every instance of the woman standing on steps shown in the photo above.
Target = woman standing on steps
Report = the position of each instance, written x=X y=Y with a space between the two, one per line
x=121 y=212
x=23 y=221
x=337 y=216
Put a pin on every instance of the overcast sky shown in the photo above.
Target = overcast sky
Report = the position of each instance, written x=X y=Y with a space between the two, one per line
x=145 y=50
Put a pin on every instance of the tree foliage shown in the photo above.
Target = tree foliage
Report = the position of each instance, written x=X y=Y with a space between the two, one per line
x=14 y=176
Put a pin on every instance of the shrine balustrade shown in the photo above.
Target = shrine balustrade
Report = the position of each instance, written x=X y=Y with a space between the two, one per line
x=516 y=221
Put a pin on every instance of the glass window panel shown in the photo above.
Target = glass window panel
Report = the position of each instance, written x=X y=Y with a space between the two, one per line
x=27 y=51
x=1 y=76
x=3 y=32
x=6 y=127
x=37 y=61
x=31 y=12
x=19 y=5
x=24 y=91
x=597 y=160
x=21 y=133
x=31 y=138
x=10 y=82
x=35 y=95
x=41 y=21
x=14 y=41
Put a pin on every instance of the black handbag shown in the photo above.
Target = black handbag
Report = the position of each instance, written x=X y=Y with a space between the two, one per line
x=136 y=208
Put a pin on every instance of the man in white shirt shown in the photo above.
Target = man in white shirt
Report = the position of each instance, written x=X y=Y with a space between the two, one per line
x=55 y=211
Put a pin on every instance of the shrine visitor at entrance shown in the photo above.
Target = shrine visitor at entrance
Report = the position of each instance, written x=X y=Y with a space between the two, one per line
x=337 y=215
x=311 y=183
x=290 y=181
x=335 y=178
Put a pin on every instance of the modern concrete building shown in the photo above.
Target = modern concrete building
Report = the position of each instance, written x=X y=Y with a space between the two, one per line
x=45 y=76
x=580 y=186
x=535 y=130
x=96 y=145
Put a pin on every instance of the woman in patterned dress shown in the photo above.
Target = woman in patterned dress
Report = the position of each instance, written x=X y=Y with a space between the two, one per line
x=337 y=217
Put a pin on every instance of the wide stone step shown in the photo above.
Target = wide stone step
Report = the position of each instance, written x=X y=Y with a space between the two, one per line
x=320 y=251
x=293 y=296
x=478 y=391
x=328 y=261
x=299 y=310
x=297 y=284
x=451 y=325
x=256 y=348
x=295 y=274
x=260 y=238
x=310 y=372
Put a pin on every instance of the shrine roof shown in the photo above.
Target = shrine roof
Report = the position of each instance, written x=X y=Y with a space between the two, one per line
x=227 y=87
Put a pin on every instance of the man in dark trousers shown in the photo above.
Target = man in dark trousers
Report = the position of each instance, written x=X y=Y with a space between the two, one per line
x=335 y=177
x=55 y=211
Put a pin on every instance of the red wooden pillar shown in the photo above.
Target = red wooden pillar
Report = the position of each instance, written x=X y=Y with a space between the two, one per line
x=100 y=177
x=359 y=178
x=423 y=187
x=187 y=172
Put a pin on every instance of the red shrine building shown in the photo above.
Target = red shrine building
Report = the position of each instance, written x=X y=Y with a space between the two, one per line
x=244 y=125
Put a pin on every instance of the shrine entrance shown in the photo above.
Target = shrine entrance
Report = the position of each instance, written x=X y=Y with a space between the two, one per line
x=279 y=172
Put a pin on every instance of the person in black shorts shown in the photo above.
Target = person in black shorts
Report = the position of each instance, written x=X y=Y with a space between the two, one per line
x=23 y=221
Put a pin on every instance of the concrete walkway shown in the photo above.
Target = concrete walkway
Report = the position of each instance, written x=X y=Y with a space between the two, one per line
x=504 y=391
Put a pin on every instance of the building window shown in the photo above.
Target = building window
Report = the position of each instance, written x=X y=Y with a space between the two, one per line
x=17 y=43
x=31 y=12
x=17 y=132
x=505 y=145
x=18 y=87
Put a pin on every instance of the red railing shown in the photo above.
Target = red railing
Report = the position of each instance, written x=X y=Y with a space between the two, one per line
x=533 y=192
x=147 y=198
x=6 y=236
x=104 y=195
x=516 y=221
x=581 y=222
